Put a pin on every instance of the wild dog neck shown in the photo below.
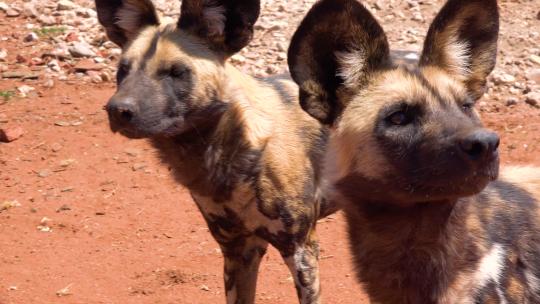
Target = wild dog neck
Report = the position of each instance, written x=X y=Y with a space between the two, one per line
x=416 y=251
x=221 y=148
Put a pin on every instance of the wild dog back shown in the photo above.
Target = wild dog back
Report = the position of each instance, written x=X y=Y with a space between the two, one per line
x=410 y=159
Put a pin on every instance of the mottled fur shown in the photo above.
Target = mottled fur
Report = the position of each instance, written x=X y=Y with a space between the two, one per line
x=412 y=164
x=243 y=147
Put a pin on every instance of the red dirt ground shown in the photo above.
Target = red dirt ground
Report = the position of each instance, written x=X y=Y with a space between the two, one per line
x=131 y=234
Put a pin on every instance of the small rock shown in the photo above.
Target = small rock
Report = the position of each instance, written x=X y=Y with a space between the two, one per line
x=21 y=75
x=132 y=152
x=55 y=147
x=64 y=291
x=54 y=65
x=3 y=6
x=81 y=49
x=3 y=54
x=378 y=5
x=29 y=10
x=417 y=16
x=533 y=98
x=3 y=118
x=44 y=228
x=86 y=13
x=87 y=65
x=205 y=288
x=25 y=90
x=44 y=173
x=31 y=37
x=95 y=76
x=46 y=20
x=64 y=207
x=67 y=162
x=62 y=123
x=503 y=78
x=105 y=76
x=65 y=5
x=11 y=134
x=9 y=204
x=281 y=46
x=12 y=13
x=138 y=166
x=49 y=83
x=238 y=58
x=535 y=59
x=271 y=69
x=511 y=101
x=72 y=37
x=21 y=59
x=533 y=75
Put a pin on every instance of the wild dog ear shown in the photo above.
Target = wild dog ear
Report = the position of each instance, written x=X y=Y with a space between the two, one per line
x=226 y=24
x=336 y=47
x=462 y=40
x=124 y=19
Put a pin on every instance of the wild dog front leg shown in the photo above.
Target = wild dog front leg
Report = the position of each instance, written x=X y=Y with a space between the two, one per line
x=241 y=266
x=304 y=266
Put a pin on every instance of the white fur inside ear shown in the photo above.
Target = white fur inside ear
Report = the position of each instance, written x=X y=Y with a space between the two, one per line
x=214 y=16
x=458 y=56
x=129 y=17
x=351 y=66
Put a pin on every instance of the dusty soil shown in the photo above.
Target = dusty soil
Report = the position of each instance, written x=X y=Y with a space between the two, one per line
x=98 y=219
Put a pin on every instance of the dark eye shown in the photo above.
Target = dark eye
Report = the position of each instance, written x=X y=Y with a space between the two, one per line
x=177 y=71
x=399 y=118
x=123 y=70
x=467 y=105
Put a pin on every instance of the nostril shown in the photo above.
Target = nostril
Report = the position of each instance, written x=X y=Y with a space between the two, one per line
x=476 y=149
x=125 y=114
x=473 y=148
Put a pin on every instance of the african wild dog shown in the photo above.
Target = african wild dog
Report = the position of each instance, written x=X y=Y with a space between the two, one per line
x=243 y=147
x=411 y=162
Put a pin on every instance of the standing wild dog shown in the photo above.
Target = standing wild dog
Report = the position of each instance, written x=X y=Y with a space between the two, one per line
x=243 y=147
x=411 y=161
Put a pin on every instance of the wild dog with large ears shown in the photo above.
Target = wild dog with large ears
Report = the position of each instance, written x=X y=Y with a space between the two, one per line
x=248 y=154
x=411 y=161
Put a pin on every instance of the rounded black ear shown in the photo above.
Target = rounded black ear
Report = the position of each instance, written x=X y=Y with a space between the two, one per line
x=337 y=45
x=226 y=24
x=462 y=40
x=124 y=19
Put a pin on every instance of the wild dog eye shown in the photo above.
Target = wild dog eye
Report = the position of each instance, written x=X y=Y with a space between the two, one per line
x=178 y=71
x=467 y=105
x=123 y=71
x=399 y=118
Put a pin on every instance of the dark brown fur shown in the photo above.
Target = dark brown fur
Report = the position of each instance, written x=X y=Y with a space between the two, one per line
x=411 y=162
x=248 y=154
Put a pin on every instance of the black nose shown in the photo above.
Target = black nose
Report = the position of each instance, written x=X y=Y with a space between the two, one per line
x=480 y=144
x=121 y=109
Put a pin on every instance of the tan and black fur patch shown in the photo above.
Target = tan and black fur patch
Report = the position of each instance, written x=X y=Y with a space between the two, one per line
x=249 y=155
x=411 y=162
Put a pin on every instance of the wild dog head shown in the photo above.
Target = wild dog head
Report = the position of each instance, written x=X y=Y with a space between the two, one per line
x=401 y=133
x=169 y=76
